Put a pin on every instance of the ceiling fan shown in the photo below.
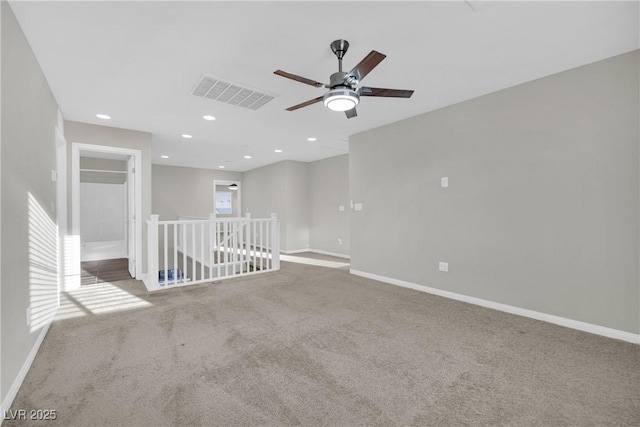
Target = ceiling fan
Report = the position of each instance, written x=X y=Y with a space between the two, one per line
x=344 y=87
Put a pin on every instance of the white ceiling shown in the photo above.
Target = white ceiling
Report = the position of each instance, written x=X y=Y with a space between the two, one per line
x=139 y=62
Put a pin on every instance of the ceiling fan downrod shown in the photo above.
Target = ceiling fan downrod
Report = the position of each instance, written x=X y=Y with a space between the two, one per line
x=339 y=48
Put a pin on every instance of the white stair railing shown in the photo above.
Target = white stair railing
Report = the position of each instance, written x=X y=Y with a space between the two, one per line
x=191 y=251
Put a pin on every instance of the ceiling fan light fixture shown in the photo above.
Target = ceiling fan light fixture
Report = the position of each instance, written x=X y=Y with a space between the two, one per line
x=341 y=99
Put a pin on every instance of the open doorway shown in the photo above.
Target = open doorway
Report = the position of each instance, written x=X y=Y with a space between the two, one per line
x=227 y=198
x=103 y=207
x=106 y=206
x=104 y=212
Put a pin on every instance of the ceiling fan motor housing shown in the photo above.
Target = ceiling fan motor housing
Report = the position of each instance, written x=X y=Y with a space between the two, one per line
x=343 y=95
x=342 y=79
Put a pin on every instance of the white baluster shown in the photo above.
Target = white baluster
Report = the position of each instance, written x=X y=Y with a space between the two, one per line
x=275 y=245
x=165 y=254
x=152 y=251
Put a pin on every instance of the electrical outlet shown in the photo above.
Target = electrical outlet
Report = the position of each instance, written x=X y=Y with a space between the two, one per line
x=444 y=181
x=339 y=241
x=443 y=266
x=341 y=208
x=357 y=207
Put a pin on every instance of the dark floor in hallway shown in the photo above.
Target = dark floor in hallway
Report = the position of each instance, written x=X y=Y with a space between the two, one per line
x=108 y=270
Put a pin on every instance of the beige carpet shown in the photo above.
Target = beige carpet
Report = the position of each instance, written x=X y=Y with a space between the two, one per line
x=315 y=346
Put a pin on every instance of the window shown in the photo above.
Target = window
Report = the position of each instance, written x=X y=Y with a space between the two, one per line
x=223 y=203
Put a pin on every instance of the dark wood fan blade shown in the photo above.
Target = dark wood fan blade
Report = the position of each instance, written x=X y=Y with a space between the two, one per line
x=367 y=64
x=304 y=104
x=389 y=93
x=351 y=113
x=299 y=79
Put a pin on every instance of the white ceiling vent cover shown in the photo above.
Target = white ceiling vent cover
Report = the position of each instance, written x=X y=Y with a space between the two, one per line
x=231 y=93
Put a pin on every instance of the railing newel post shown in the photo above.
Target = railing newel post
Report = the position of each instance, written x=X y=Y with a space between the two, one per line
x=247 y=240
x=275 y=241
x=152 y=251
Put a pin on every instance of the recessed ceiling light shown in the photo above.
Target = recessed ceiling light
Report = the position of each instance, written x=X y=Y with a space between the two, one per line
x=312 y=139
x=247 y=157
x=103 y=116
x=187 y=136
x=220 y=167
x=208 y=118
x=277 y=151
x=165 y=157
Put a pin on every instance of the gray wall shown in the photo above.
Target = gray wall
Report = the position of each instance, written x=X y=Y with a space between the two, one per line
x=263 y=194
x=305 y=196
x=29 y=117
x=2 y=392
x=280 y=188
x=86 y=133
x=180 y=191
x=297 y=205
x=329 y=189
x=542 y=207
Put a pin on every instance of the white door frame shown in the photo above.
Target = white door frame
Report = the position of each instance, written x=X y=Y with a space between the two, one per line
x=217 y=182
x=76 y=149
x=61 y=205
x=131 y=215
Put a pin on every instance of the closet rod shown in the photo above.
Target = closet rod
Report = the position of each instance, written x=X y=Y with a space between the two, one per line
x=100 y=170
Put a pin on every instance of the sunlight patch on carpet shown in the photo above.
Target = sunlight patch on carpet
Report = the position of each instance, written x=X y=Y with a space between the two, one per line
x=97 y=299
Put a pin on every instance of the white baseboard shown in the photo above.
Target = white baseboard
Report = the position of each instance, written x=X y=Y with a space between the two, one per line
x=294 y=251
x=562 y=321
x=97 y=251
x=13 y=390
x=317 y=251
x=335 y=254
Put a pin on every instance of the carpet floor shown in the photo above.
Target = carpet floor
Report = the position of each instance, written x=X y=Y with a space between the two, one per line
x=311 y=346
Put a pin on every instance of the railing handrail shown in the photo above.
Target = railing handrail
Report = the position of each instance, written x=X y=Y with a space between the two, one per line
x=191 y=259
x=198 y=221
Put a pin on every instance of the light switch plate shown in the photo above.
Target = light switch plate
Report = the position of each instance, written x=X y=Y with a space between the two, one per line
x=357 y=206
x=443 y=266
x=444 y=181
x=341 y=208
